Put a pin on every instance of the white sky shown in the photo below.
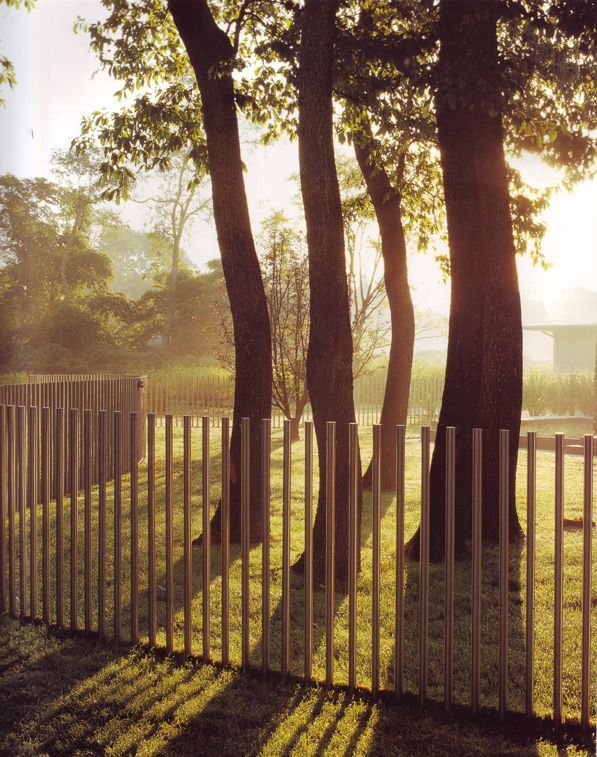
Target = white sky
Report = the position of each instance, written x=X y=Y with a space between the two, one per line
x=58 y=83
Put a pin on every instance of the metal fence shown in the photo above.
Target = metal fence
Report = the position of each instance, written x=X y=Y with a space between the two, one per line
x=94 y=392
x=196 y=394
x=32 y=462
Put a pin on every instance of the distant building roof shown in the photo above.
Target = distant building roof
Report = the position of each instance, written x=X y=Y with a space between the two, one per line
x=562 y=327
x=573 y=344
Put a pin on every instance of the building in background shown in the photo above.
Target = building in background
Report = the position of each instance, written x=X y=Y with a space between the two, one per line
x=573 y=345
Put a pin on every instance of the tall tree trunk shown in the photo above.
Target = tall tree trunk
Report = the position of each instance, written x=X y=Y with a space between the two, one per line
x=211 y=55
x=386 y=203
x=329 y=354
x=483 y=386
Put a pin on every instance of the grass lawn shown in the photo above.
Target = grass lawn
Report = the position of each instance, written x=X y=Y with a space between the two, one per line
x=64 y=695
x=71 y=694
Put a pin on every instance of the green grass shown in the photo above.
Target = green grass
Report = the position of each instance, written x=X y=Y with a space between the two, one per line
x=260 y=716
x=64 y=695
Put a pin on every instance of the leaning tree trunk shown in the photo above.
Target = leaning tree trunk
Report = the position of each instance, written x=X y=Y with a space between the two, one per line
x=211 y=55
x=329 y=354
x=386 y=203
x=483 y=386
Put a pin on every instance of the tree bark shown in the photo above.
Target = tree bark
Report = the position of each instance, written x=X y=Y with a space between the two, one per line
x=483 y=386
x=329 y=354
x=211 y=55
x=386 y=203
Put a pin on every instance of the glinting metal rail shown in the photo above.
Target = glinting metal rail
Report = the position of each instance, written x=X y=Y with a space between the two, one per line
x=39 y=445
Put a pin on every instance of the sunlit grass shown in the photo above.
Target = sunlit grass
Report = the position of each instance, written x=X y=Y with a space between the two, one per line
x=544 y=591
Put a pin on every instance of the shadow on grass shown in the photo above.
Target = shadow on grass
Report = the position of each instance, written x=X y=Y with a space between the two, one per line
x=66 y=695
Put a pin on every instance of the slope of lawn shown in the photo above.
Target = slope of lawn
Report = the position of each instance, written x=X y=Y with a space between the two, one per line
x=146 y=674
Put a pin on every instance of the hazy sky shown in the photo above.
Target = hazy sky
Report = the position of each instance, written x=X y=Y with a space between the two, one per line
x=58 y=82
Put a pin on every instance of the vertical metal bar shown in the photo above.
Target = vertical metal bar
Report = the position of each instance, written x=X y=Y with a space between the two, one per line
x=449 y=561
x=244 y=534
x=205 y=448
x=286 y=484
x=45 y=503
x=504 y=572
x=558 y=581
x=330 y=507
x=375 y=616
x=11 y=504
x=169 y=540
x=352 y=553
x=586 y=583
x=3 y=509
x=59 y=483
x=74 y=515
x=477 y=548
x=134 y=478
x=101 y=561
x=187 y=546
x=265 y=553
x=87 y=471
x=21 y=471
x=424 y=565
x=117 y=519
x=308 y=550
x=151 y=584
x=399 y=637
x=32 y=497
x=530 y=588
x=225 y=540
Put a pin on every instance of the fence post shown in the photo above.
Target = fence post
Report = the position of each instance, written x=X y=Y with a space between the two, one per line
x=308 y=549
x=477 y=545
x=169 y=540
x=134 y=479
x=558 y=581
x=449 y=566
x=187 y=546
x=11 y=503
x=101 y=572
x=352 y=553
x=586 y=582
x=530 y=590
x=87 y=471
x=265 y=547
x=74 y=514
x=399 y=619
x=21 y=471
x=286 y=463
x=205 y=421
x=151 y=584
x=330 y=506
x=245 y=494
x=3 y=496
x=424 y=564
x=32 y=497
x=375 y=617
x=503 y=571
x=225 y=539
x=59 y=489
x=45 y=501
x=117 y=519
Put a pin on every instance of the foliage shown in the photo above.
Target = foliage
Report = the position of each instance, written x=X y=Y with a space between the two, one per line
x=547 y=393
